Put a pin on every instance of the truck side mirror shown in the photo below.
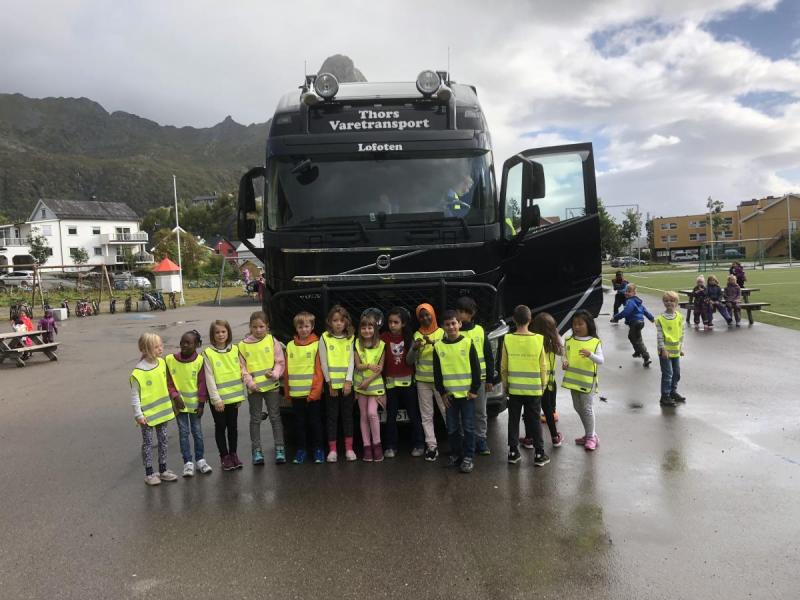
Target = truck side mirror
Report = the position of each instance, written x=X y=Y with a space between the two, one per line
x=247 y=212
x=532 y=188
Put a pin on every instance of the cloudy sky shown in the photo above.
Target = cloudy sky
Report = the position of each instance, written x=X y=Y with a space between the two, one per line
x=682 y=99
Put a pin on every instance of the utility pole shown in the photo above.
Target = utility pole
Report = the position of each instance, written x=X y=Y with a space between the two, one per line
x=178 y=234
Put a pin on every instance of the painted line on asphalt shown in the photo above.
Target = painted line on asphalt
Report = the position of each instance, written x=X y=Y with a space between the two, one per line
x=769 y=312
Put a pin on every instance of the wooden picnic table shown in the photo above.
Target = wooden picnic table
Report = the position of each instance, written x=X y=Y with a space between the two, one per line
x=747 y=306
x=13 y=347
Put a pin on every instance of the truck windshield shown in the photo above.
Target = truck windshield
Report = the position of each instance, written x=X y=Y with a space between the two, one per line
x=308 y=191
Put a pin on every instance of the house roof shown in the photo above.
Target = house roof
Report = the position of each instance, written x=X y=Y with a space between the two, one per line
x=90 y=209
x=769 y=205
x=166 y=266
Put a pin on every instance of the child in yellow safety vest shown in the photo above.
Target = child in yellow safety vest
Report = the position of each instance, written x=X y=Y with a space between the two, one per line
x=152 y=406
x=669 y=335
x=263 y=364
x=225 y=391
x=457 y=377
x=524 y=372
x=186 y=381
x=582 y=355
x=303 y=386
x=368 y=380
x=336 y=360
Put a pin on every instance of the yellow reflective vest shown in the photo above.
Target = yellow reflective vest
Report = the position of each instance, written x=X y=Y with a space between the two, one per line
x=672 y=329
x=456 y=368
x=227 y=373
x=369 y=356
x=259 y=357
x=184 y=376
x=154 y=397
x=300 y=364
x=581 y=374
x=523 y=354
x=337 y=353
x=425 y=355
x=477 y=335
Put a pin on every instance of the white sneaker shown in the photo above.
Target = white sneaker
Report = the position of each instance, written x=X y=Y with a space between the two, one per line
x=203 y=466
x=188 y=469
x=152 y=479
x=167 y=476
x=332 y=457
x=350 y=456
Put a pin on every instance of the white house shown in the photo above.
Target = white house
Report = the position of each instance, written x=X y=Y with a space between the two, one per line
x=103 y=229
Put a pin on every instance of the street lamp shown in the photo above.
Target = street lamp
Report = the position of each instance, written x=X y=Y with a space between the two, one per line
x=789 y=226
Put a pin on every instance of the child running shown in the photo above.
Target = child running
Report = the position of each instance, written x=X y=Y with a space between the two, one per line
x=466 y=309
x=399 y=377
x=48 y=324
x=457 y=376
x=336 y=360
x=669 y=332
x=524 y=371
x=619 y=284
x=262 y=362
x=225 y=391
x=303 y=386
x=582 y=355
x=186 y=382
x=545 y=325
x=152 y=407
x=421 y=355
x=634 y=314
x=369 y=387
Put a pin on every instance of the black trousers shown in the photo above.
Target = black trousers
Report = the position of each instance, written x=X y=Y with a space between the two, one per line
x=635 y=337
x=307 y=415
x=533 y=406
x=549 y=409
x=335 y=404
x=226 y=422
x=619 y=300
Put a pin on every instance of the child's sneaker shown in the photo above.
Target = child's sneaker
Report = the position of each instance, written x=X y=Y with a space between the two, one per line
x=152 y=479
x=453 y=460
x=647 y=362
x=367 y=454
x=204 y=467
x=377 y=452
x=280 y=455
x=319 y=456
x=677 y=397
x=390 y=453
x=299 y=457
x=227 y=463
x=467 y=465
x=482 y=447
x=514 y=456
x=540 y=459
x=258 y=457
x=417 y=452
x=526 y=443
x=167 y=476
x=332 y=457
x=188 y=469
x=431 y=454
x=557 y=439
x=581 y=441
x=237 y=463
x=592 y=441
x=350 y=456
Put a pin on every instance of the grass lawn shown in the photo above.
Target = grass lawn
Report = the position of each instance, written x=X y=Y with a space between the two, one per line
x=780 y=287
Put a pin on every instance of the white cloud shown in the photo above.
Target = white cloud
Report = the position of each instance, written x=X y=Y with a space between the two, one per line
x=657 y=141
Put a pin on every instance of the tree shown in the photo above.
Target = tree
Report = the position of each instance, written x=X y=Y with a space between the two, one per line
x=631 y=227
x=718 y=224
x=4 y=219
x=193 y=255
x=39 y=248
x=80 y=257
x=610 y=242
x=128 y=258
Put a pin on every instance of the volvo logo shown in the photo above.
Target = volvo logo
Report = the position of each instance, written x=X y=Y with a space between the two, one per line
x=383 y=261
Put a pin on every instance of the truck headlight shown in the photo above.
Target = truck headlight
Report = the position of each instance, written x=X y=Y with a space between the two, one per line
x=326 y=85
x=428 y=82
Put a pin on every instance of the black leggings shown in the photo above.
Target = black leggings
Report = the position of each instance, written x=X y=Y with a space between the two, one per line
x=334 y=405
x=226 y=421
x=549 y=409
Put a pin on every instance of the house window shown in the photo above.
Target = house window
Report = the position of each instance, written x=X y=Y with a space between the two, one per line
x=665 y=226
x=664 y=238
x=692 y=237
x=728 y=221
x=98 y=251
x=47 y=230
x=727 y=234
x=72 y=230
x=73 y=252
x=95 y=231
x=673 y=238
x=701 y=237
x=673 y=225
x=44 y=213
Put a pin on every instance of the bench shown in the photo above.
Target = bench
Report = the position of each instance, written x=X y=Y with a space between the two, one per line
x=746 y=306
x=12 y=346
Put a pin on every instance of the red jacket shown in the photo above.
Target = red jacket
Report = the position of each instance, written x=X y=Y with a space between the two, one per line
x=318 y=380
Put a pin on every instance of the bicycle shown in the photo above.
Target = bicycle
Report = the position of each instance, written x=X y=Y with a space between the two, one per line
x=19 y=307
x=173 y=302
x=83 y=308
x=128 y=303
x=95 y=308
x=112 y=306
x=155 y=300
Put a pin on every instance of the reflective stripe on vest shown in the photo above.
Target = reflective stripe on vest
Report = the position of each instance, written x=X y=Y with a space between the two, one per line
x=393 y=382
x=581 y=375
x=672 y=330
x=369 y=356
x=476 y=334
x=337 y=353
x=301 y=362
x=523 y=353
x=227 y=374
x=260 y=359
x=154 y=397
x=184 y=376
x=456 y=369
x=425 y=355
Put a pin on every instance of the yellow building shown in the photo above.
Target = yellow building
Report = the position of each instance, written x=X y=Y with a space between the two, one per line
x=764 y=224
x=685 y=235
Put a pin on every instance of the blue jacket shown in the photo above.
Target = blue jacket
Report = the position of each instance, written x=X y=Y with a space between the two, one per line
x=634 y=311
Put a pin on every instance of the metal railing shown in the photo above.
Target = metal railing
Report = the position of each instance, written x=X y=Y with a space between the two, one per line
x=117 y=238
x=14 y=241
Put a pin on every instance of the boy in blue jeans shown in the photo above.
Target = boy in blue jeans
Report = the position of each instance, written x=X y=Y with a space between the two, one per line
x=669 y=332
x=457 y=377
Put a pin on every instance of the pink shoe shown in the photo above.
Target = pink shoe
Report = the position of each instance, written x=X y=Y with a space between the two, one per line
x=591 y=442
x=367 y=454
x=377 y=452
x=557 y=439
x=581 y=441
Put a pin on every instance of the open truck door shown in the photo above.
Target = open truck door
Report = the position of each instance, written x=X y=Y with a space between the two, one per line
x=549 y=202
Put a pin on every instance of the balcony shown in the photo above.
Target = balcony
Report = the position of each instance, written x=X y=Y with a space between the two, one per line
x=141 y=258
x=5 y=242
x=124 y=238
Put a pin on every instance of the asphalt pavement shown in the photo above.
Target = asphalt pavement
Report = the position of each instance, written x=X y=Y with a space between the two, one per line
x=700 y=501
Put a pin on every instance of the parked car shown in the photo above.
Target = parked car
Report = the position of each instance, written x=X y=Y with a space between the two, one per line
x=627 y=261
x=685 y=256
x=17 y=278
x=733 y=253
x=127 y=283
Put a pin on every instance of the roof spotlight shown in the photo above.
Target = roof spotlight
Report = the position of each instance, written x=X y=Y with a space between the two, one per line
x=428 y=82
x=326 y=85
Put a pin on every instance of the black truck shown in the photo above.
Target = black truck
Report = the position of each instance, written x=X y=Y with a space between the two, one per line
x=383 y=194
